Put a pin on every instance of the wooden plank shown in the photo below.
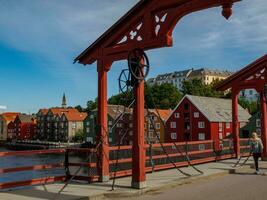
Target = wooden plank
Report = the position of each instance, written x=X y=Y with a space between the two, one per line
x=32 y=152
x=36 y=181
x=29 y=168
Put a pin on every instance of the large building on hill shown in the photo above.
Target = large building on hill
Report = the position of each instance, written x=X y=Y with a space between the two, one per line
x=198 y=118
x=60 y=123
x=178 y=77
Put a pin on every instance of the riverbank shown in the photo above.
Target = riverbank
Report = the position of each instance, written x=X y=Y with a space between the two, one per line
x=36 y=145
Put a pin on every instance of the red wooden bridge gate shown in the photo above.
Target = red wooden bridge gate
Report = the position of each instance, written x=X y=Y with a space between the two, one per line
x=148 y=25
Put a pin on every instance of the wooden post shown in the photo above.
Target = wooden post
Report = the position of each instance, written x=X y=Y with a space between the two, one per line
x=102 y=138
x=264 y=124
x=235 y=122
x=138 y=150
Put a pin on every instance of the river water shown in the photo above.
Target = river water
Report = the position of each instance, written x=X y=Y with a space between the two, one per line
x=20 y=161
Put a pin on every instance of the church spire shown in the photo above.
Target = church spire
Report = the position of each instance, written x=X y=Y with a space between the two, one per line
x=64 y=101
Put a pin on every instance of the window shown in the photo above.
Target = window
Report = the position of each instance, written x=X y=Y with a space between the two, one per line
x=258 y=123
x=157 y=125
x=220 y=136
x=176 y=115
x=201 y=124
x=186 y=106
x=201 y=136
x=110 y=140
x=201 y=147
x=131 y=125
x=173 y=124
x=158 y=134
x=130 y=132
x=87 y=130
x=119 y=125
x=220 y=127
x=196 y=114
x=110 y=123
x=228 y=125
x=173 y=136
x=150 y=135
x=228 y=134
x=74 y=125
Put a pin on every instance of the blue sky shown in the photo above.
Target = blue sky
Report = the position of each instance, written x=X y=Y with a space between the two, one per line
x=39 y=40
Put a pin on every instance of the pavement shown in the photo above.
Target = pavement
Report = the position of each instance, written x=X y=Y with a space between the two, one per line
x=157 y=182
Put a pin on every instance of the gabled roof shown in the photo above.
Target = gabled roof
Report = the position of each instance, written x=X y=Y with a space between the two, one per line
x=60 y=111
x=216 y=109
x=211 y=72
x=44 y=111
x=162 y=113
x=238 y=76
x=111 y=30
x=9 y=116
x=25 y=118
x=115 y=110
x=75 y=116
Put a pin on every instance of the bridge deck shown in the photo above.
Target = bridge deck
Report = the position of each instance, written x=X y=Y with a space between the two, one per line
x=155 y=181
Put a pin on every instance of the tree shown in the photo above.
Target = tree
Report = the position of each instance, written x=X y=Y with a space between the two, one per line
x=198 y=88
x=79 y=136
x=79 y=108
x=91 y=105
x=163 y=96
x=252 y=107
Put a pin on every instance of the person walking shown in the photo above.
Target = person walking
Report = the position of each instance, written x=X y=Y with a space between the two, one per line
x=256 y=150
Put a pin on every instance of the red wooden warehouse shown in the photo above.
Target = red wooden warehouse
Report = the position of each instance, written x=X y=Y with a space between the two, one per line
x=198 y=118
x=24 y=127
x=148 y=25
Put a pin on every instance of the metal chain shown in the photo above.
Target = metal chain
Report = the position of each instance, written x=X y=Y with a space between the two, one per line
x=177 y=148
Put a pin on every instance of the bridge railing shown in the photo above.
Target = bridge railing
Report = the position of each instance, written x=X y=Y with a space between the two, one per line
x=31 y=167
x=53 y=165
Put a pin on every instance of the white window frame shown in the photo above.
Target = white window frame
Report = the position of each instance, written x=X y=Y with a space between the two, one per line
x=157 y=125
x=258 y=123
x=196 y=114
x=201 y=124
x=173 y=124
x=201 y=136
x=201 y=147
x=176 y=115
x=228 y=125
x=174 y=136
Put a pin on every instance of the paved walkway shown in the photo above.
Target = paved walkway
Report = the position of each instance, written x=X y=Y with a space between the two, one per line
x=156 y=182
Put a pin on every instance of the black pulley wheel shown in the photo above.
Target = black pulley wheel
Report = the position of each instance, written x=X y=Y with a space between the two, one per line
x=124 y=81
x=138 y=64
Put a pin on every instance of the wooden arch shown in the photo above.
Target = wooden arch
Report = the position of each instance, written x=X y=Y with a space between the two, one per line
x=148 y=25
x=253 y=76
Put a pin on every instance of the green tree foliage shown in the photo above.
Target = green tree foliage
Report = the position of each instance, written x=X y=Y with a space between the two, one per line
x=90 y=105
x=79 y=136
x=164 y=96
x=198 y=88
x=252 y=107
